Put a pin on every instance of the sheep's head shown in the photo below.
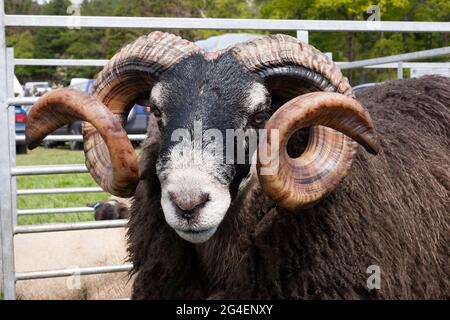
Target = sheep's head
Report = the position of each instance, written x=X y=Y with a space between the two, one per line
x=204 y=109
x=208 y=108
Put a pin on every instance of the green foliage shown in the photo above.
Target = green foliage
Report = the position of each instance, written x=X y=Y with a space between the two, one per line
x=350 y=46
x=103 y=43
x=42 y=156
x=21 y=7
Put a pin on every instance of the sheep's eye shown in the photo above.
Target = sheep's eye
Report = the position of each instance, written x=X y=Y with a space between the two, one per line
x=259 y=118
x=156 y=112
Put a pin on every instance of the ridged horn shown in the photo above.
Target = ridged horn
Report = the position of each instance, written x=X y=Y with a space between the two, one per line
x=301 y=182
x=64 y=106
x=129 y=76
x=291 y=68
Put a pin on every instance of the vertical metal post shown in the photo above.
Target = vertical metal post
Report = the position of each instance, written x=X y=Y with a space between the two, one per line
x=400 y=70
x=303 y=35
x=9 y=289
x=12 y=129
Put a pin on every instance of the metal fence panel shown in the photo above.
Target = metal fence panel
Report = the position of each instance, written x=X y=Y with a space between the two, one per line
x=49 y=169
x=34 y=192
x=70 y=226
x=24 y=212
x=397 y=58
x=61 y=62
x=227 y=24
x=78 y=137
x=6 y=206
x=73 y=272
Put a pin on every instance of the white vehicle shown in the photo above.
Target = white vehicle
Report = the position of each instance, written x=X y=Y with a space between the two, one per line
x=36 y=89
x=74 y=82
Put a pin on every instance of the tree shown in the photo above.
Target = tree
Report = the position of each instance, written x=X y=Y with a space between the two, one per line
x=99 y=43
x=21 y=7
x=350 y=46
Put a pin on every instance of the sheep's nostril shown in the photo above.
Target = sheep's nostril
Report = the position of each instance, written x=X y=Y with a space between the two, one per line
x=187 y=205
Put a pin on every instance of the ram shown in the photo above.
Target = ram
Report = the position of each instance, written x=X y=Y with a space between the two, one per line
x=277 y=220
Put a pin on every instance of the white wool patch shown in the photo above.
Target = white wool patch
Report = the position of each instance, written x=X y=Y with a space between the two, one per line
x=158 y=96
x=194 y=181
x=190 y=171
x=257 y=95
x=157 y=93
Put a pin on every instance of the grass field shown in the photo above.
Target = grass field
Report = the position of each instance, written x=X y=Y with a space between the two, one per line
x=41 y=156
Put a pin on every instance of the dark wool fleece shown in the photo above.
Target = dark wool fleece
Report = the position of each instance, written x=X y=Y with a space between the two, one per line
x=392 y=210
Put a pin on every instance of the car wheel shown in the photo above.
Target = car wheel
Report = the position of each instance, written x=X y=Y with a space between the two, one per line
x=75 y=145
x=21 y=149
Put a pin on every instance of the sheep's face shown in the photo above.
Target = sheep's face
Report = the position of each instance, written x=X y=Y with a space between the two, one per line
x=204 y=108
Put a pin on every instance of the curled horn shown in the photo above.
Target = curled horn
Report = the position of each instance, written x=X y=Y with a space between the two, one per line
x=128 y=77
x=323 y=101
x=305 y=180
x=63 y=106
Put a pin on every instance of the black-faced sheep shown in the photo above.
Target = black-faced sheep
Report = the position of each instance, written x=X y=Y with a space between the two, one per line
x=111 y=209
x=285 y=223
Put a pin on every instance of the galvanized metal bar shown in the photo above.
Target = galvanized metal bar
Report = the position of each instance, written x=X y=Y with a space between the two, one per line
x=70 y=226
x=34 y=192
x=6 y=216
x=229 y=24
x=12 y=129
x=61 y=62
x=54 y=210
x=73 y=272
x=408 y=65
x=64 y=62
x=396 y=58
x=79 y=137
x=27 y=101
x=400 y=70
x=50 y=169
x=67 y=62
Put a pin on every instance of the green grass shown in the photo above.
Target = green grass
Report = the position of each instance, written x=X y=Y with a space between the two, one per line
x=41 y=156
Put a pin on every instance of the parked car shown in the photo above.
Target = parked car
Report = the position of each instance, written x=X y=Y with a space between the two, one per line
x=21 y=120
x=136 y=123
x=36 y=89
